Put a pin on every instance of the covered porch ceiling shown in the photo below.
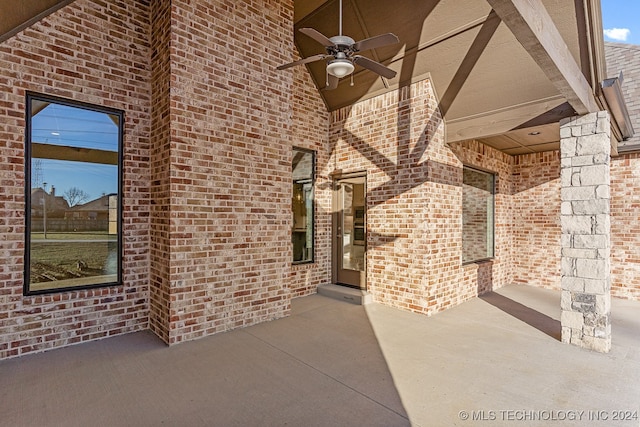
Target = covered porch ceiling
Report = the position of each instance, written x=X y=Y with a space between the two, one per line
x=499 y=67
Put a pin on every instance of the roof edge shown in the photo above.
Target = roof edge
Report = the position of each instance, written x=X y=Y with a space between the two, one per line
x=612 y=91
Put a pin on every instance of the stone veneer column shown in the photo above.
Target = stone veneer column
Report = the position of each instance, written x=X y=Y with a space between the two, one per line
x=586 y=285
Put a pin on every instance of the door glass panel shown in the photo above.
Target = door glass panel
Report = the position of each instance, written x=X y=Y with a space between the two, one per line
x=353 y=226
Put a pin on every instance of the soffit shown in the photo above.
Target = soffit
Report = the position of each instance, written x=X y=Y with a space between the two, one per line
x=18 y=15
x=488 y=85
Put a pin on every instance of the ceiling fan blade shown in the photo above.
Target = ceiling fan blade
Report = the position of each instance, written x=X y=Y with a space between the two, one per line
x=375 y=42
x=332 y=82
x=374 y=66
x=303 y=61
x=317 y=36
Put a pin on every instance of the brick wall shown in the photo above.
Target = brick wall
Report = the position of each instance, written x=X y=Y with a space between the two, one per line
x=499 y=272
x=536 y=233
x=230 y=165
x=367 y=137
x=625 y=231
x=93 y=52
x=310 y=130
x=536 y=214
x=160 y=170
x=414 y=200
x=207 y=166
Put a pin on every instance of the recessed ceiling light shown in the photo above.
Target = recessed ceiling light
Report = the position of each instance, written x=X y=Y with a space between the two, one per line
x=534 y=133
x=55 y=133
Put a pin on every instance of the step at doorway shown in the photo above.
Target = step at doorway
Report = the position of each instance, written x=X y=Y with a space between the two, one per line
x=347 y=294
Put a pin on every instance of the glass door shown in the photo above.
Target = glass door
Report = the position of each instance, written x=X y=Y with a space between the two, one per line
x=349 y=226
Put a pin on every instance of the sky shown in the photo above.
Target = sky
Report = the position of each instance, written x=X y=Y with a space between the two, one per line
x=74 y=127
x=621 y=21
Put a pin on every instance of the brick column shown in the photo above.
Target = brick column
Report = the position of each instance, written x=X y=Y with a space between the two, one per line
x=586 y=298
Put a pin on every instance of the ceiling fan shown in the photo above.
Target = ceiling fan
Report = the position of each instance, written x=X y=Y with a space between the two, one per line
x=342 y=55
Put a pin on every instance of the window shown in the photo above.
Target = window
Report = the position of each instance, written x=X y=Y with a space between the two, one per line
x=478 y=189
x=73 y=195
x=302 y=205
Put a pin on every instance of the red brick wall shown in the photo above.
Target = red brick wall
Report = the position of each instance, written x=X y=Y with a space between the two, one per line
x=499 y=272
x=208 y=146
x=93 y=52
x=366 y=137
x=230 y=154
x=625 y=230
x=160 y=169
x=536 y=214
x=414 y=200
x=310 y=130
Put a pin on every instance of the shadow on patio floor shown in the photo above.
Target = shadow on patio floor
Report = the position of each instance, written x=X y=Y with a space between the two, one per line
x=531 y=317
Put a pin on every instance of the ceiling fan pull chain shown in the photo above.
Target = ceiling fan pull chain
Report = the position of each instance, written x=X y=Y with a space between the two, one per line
x=326 y=74
x=351 y=84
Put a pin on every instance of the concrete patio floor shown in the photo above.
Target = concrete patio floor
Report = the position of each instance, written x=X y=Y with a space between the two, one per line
x=495 y=359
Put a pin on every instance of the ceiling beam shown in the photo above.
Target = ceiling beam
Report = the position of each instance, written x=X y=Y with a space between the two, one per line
x=498 y=122
x=532 y=26
x=73 y=154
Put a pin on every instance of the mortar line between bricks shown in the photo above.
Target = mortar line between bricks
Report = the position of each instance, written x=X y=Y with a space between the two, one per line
x=327 y=375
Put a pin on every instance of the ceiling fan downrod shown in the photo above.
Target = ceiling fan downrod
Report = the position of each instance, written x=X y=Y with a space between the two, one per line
x=340 y=20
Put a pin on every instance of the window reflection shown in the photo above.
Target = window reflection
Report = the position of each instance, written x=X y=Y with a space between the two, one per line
x=477 y=215
x=302 y=205
x=73 y=205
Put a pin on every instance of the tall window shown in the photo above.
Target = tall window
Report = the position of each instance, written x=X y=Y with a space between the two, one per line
x=73 y=195
x=302 y=205
x=478 y=189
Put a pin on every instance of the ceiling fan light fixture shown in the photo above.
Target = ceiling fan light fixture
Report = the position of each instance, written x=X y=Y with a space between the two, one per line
x=340 y=67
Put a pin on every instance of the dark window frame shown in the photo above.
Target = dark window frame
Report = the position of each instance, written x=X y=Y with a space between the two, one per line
x=30 y=98
x=494 y=177
x=313 y=205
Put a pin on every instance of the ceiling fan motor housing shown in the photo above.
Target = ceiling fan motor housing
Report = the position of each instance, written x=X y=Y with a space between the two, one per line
x=341 y=42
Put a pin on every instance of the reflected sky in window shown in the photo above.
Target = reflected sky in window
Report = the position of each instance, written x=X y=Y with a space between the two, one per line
x=63 y=125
